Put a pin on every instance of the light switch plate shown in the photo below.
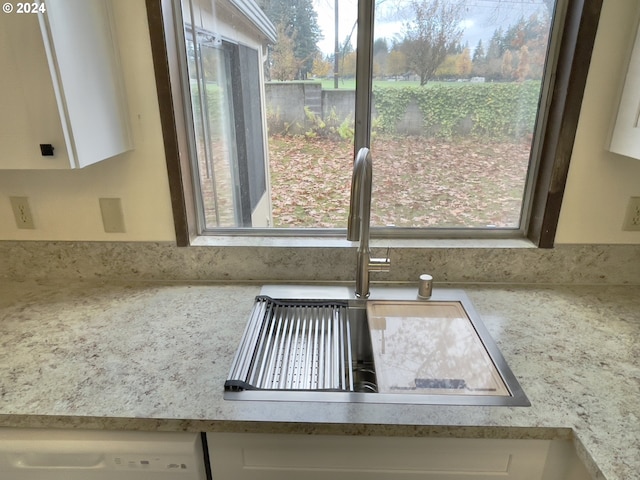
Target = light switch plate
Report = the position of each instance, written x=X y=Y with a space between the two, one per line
x=112 y=216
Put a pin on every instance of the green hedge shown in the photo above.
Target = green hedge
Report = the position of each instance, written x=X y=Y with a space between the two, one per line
x=485 y=110
x=488 y=110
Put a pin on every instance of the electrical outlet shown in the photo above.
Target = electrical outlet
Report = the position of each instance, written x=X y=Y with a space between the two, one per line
x=632 y=219
x=22 y=212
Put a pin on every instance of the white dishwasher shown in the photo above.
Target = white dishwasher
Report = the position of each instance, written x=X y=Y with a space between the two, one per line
x=48 y=454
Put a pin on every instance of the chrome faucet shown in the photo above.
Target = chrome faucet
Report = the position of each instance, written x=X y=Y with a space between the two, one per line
x=359 y=222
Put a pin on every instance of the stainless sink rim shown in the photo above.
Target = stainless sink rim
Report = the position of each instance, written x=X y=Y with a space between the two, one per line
x=343 y=293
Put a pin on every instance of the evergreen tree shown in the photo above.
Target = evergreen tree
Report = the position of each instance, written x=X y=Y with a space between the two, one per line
x=300 y=24
x=380 y=56
x=496 y=46
x=380 y=45
x=347 y=47
x=478 y=52
x=492 y=67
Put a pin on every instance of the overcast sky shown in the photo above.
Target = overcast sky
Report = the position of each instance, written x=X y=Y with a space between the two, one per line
x=481 y=18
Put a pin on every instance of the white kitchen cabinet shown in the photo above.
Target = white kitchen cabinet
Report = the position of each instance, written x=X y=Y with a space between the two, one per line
x=625 y=139
x=61 y=86
x=243 y=456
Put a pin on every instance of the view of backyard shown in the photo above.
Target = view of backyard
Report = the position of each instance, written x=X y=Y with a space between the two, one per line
x=417 y=182
x=464 y=165
x=452 y=127
x=452 y=122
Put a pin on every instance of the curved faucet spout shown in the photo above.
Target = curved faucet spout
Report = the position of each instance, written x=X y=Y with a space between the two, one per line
x=359 y=221
x=360 y=201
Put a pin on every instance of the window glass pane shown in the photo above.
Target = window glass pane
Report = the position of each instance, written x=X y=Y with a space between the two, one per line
x=220 y=175
x=273 y=119
x=310 y=104
x=456 y=93
x=214 y=125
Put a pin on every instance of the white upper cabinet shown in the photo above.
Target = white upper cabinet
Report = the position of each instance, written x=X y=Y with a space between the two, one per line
x=62 y=101
x=626 y=132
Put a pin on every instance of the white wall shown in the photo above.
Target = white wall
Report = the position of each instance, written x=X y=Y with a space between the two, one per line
x=600 y=183
x=65 y=204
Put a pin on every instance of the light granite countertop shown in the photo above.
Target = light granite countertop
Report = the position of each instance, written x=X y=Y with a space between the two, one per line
x=153 y=356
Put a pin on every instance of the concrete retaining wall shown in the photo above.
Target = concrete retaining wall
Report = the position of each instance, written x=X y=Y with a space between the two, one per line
x=286 y=104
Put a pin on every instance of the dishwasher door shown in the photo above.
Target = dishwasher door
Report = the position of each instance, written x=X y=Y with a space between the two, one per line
x=46 y=454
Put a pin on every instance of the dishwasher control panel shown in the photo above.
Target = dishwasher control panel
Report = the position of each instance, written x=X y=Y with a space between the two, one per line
x=56 y=454
x=154 y=463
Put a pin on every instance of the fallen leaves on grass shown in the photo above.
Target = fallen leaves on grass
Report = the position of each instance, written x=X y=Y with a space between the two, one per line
x=417 y=182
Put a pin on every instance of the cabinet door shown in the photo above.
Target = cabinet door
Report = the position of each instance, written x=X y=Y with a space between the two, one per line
x=626 y=133
x=28 y=106
x=85 y=58
x=315 y=457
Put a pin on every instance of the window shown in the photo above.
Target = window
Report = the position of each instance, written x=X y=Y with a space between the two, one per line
x=259 y=168
x=229 y=152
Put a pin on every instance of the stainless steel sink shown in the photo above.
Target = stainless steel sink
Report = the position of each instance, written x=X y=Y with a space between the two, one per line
x=308 y=343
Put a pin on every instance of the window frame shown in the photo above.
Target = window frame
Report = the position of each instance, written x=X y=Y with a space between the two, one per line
x=563 y=96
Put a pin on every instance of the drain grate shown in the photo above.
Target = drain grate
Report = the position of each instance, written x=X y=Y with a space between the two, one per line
x=294 y=345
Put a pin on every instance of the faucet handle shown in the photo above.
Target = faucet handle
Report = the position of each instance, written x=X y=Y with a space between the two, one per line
x=380 y=264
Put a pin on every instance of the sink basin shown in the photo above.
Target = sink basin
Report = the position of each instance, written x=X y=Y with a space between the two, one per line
x=307 y=343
